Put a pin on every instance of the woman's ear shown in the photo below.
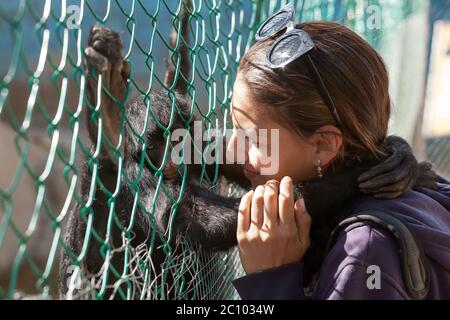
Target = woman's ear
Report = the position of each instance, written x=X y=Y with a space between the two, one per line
x=327 y=141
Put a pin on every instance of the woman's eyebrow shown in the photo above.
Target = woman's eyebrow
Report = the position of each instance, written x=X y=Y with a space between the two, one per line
x=235 y=122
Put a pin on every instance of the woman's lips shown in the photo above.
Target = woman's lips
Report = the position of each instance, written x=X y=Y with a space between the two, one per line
x=250 y=174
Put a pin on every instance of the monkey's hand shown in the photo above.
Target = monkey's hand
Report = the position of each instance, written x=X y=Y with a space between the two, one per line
x=398 y=173
x=107 y=77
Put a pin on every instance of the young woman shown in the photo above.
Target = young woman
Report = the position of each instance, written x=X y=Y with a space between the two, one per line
x=326 y=90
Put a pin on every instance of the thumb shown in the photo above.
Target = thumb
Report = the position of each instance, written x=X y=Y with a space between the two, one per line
x=303 y=220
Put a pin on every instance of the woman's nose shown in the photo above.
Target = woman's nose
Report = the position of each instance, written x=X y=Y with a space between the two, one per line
x=237 y=148
x=253 y=157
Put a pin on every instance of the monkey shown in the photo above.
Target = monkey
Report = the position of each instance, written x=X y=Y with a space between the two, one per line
x=206 y=219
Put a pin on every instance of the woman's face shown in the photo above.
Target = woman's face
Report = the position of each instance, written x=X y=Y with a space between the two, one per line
x=285 y=155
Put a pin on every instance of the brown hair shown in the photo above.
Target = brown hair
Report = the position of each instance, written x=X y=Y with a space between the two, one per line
x=354 y=74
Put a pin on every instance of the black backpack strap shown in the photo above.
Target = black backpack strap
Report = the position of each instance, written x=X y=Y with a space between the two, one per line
x=413 y=260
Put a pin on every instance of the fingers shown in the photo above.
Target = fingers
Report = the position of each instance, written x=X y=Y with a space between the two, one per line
x=118 y=85
x=244 y=213
x=100 y=63
x=388 y=165
x=303 y=221
x=286 y=200
x=107 y=42
x=426 y=176
x=104 y=52
x=257 y=208
x=425 y=166
x=271 y=203
x=96 y=59
x=126 y=70
x=400 y=187
x=388 y=195
x=399 y=148
x=102 y=67
x=393 y=177
x=401 y=175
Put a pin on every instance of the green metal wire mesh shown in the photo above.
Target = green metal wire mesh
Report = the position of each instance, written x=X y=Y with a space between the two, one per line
x=43 y=127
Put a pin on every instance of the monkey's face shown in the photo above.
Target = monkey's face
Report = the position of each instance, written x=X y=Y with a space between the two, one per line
x=156 y=118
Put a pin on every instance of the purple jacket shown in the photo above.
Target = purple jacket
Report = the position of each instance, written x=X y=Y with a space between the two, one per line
x=344 y=272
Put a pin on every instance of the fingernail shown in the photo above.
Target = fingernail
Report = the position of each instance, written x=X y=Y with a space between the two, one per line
x=299 y=205
x=288 y=179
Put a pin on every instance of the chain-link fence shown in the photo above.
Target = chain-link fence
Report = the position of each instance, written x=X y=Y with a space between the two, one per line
x=45 y=145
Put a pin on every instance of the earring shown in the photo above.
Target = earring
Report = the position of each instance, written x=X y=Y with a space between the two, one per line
x=319 y=168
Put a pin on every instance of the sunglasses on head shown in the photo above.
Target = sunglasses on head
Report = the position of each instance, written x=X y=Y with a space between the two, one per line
x=291 y=45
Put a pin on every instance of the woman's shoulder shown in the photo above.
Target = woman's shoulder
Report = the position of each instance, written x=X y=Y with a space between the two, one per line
x=364 y=248
x=363 y=258
x=364 y=244
x=419 y=207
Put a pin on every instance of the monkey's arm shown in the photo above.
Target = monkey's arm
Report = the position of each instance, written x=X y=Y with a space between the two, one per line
x=208 y=218
x=107 y=77
x=215 y=218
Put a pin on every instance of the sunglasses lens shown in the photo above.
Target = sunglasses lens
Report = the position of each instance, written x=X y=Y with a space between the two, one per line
x=274 y=24
x=289 y=48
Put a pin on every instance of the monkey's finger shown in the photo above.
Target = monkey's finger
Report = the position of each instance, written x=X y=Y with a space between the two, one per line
x=107 y=42
x=401 y=172
x=399 y=148
x=244 y=213
x=118 y=84
x=257 y=208
x=426 y=176
x=91 y=89
x=286 y=200
x=425 y=166
x=271 y=204
x=126 y=70
x=401 y=187
x=95 y=59
x=388 y=165
x=388 y=195
x=106 y=81
x=101 y=65
x=94 y=64
x=402 y=181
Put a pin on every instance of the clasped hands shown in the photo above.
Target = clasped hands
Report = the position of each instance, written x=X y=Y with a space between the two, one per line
x=273 y=229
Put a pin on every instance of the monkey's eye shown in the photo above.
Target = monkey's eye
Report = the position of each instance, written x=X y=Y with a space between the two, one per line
x=150 y=147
